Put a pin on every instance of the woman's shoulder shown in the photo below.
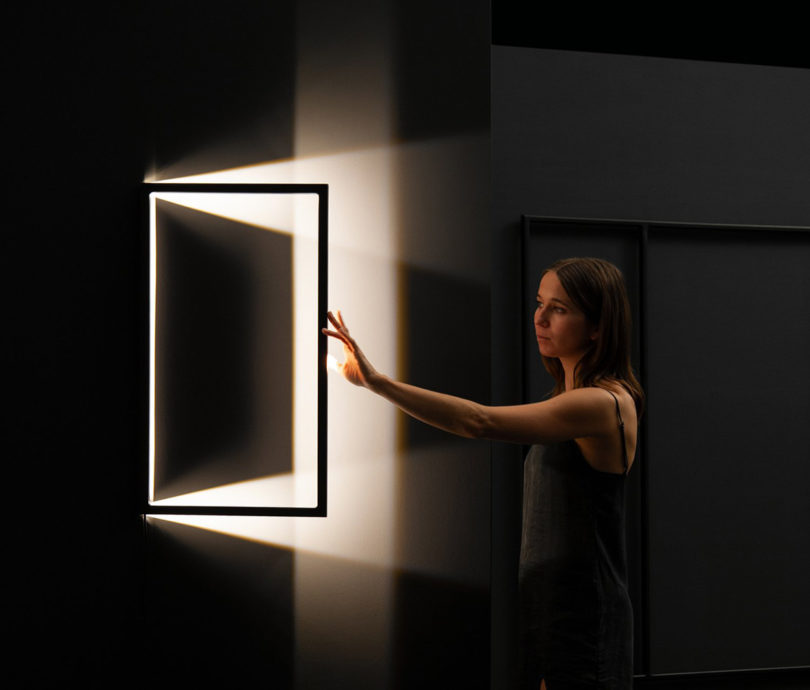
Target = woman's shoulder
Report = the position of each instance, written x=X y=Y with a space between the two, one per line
x=600 y=399
x=600 y=391
x=595 y=402
x=618 y=394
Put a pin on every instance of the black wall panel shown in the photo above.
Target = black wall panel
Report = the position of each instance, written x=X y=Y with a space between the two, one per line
x=728 y=448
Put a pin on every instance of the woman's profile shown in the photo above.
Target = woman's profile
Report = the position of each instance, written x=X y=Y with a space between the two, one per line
x=576 y=616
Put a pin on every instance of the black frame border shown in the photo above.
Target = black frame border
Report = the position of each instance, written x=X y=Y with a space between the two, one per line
x=322 y=191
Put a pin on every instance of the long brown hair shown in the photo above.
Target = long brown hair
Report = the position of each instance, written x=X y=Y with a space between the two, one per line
x=597 y=289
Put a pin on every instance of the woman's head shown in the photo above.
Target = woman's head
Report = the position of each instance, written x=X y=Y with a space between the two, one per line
x=596 y=288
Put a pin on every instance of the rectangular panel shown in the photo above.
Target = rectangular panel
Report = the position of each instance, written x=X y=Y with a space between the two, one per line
x=728 y=439
x=237 y=363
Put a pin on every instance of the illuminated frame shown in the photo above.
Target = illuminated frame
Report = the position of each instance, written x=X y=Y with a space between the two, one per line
x=153 y=192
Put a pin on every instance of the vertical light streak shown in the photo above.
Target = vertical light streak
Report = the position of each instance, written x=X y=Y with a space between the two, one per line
x=296 y=215
x=152 y=315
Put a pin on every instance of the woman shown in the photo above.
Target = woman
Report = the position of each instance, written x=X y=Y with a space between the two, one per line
x=576 y=618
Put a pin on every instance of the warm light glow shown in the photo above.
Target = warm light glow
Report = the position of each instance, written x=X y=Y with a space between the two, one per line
x=365 y=260
x=253 y=492
x=332 y=363
x=296 y=215
x=357 y=490
x=361 y=434
x=152 y=313
x=346 y=134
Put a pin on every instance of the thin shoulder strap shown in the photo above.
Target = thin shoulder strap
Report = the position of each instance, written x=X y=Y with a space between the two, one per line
x=621 y=431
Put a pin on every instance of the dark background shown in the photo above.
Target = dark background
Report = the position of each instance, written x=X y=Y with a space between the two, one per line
x=630 y=134
x=718 y=485
x=673 y=31
x=102 y=93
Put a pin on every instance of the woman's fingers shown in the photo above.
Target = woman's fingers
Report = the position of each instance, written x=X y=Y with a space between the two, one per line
x=338 y=323
x=334 y=334
x=348 y=343
x=356 y=368
x=340 y=332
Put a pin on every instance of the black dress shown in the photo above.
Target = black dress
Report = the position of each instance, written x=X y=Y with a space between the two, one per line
x=576 y=616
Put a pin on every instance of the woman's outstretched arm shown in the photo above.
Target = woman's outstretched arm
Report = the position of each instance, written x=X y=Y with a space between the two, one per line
x=574 y=414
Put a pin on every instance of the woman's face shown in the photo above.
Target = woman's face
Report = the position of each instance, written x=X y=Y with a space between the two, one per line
x=562 y=330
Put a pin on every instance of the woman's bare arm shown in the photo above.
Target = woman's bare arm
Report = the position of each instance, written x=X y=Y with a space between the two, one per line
x=574 y=414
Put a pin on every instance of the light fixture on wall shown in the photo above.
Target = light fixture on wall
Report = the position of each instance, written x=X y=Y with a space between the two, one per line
x=237 y=362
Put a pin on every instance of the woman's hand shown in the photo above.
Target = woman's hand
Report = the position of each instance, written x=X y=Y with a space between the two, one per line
x=356 y=369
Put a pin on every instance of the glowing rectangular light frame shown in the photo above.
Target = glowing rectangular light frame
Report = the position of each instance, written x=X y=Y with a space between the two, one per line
x=176 y=508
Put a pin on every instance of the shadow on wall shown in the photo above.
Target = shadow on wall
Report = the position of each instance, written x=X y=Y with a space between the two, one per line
x=218 y=421
x=441 y=636
x=219 y=88
x=441 y=78
x=219 y=611
x=441 y=639
x=441 y=68
x=444 y=322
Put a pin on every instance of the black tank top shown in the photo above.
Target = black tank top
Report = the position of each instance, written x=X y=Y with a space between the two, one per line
x=576 y=616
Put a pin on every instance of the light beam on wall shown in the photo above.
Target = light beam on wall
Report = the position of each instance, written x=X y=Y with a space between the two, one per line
x=363 y=277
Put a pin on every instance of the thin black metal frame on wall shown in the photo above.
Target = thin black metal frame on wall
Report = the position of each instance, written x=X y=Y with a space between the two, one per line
x=322 y=193
x=641 y=232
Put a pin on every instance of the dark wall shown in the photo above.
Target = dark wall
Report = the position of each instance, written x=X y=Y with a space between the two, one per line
x=72 y=246
x=747 y=37
x=651 y=138
x=594 y=136
x=728 y=448
x=104 y=96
